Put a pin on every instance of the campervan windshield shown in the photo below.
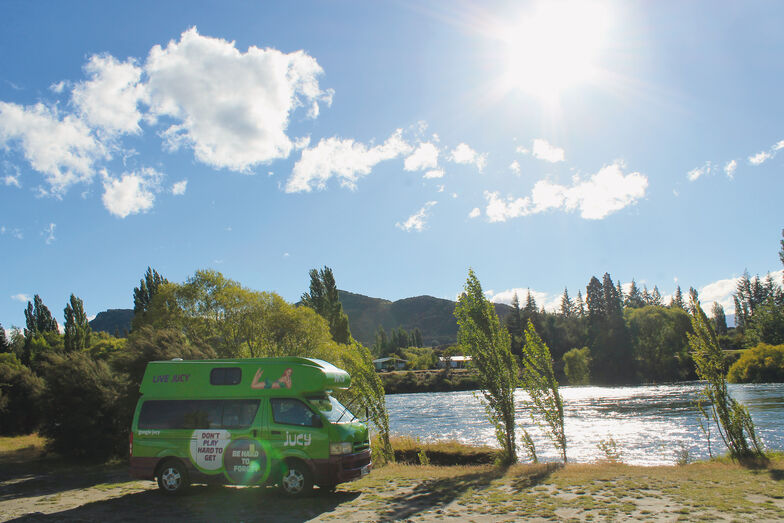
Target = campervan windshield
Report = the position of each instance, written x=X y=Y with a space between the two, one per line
x=332 y=409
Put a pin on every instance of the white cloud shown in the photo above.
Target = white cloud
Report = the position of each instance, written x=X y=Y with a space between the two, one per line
x=441 y=188
x=59 y=87
x=475 y=213
x=603 y=193
x=545 y=151
x=109 y=99
x=178 y=189
x=551 y=303
x=345 y=159
x=64 y=150
x=463 y=154
x=435 y=173
x=522 y=150
x=132 y=193
x=695 y=173
x=16 y=233
x=515 y=167
x=759 y=158
x=49 y=233
x=10 y=179
x=424 y=157
x=418 y=220
x=24 y=298
x=233 y=107
x=779 y=146
x=730 y=167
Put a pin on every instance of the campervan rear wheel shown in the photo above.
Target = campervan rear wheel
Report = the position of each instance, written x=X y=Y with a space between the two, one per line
x=296 y=479
x=173 y=478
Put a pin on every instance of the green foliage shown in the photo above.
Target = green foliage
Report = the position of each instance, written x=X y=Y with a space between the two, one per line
x=323 y=298
x=732 y=419
x=538 y=379
x=5 y=344
x=38 y=318
x=77 y=328
x=608 y=337
x=635 y=298
x=83 y=412
x=719 y=319
x=39 y=345
x=147 y=289
x=766 y=325
x=103 y=345
x=659 y=342
x=761 y=364
x=482 y=337
x=20 y=395
x=423 y=359
x=610 y=449
x=677 y=299
x=577 y=366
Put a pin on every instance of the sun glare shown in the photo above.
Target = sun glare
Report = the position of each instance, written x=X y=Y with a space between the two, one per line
x=555 y=48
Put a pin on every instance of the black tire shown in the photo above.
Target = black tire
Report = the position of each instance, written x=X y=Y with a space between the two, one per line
x=295 y=479
x=173 y=478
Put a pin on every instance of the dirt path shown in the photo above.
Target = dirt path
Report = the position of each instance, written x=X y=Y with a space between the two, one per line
x=478 y=493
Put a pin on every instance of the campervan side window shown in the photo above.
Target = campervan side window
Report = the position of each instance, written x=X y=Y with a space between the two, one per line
x=197 y=414
x=226 y=376
x=290 y=411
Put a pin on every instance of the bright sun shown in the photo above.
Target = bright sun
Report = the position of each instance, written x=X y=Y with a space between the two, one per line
x=555 y=48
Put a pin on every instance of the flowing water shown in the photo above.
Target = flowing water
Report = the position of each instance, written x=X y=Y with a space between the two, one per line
x=651 y=425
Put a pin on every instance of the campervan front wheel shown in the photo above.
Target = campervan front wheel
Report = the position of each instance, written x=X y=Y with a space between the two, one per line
x=296 y=479
x=173 y=478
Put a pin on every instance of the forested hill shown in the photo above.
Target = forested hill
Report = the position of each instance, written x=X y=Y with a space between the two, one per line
x=433 y=316
x=113 y=321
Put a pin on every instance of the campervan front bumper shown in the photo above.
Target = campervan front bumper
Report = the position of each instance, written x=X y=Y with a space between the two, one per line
x=340 y=469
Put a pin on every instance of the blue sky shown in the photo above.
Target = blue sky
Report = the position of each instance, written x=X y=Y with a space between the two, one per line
x=399 y=143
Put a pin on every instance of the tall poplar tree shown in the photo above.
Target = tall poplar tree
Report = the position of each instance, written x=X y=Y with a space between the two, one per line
x=719 y=319
x=147 y=289
x=324 y=299
x=480 y=334
x=77 y=328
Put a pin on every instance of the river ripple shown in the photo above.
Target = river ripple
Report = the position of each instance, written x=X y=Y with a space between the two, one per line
x=651 y=425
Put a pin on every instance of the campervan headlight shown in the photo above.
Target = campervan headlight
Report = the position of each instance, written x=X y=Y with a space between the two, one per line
x=336 y=449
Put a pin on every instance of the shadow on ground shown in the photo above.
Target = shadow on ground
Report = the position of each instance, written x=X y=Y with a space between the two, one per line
x=202 y=503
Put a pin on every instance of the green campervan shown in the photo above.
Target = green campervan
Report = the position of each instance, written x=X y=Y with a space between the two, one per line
x=246 y=422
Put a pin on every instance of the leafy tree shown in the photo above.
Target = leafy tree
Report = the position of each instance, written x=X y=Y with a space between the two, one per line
x=323 y=298
x=20 y=395
x=609 y=339
x=567 y=307
x=103 y=346
x=761 y=364
x=732 y=419
x=38 y=317
x=514 y=325
x=538 y=379
x=80 y=408
x=694 y=297
x=635 y=299
x=482 y=337
x=677 y=299
x=5 y=345
x=577 y=366
x=646 y=296
x=417 y=337
x=659 y=343
x=77 y=328
x=766 y=325
x=147 y=289
x=719 y=319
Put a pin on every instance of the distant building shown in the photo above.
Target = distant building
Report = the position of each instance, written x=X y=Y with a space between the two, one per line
x=454 y=362
x=387 y=364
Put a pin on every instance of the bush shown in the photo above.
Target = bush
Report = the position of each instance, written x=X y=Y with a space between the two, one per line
x=761 y=364
x=20 y=396
x=81 y=415
x=577 y=364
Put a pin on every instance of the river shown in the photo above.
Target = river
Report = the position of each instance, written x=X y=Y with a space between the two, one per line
x=651 y=425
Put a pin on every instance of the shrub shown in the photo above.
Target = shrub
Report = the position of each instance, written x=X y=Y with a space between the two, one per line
x=82 y=414
x=577 y=365
x=761 y=364
x=20 y=396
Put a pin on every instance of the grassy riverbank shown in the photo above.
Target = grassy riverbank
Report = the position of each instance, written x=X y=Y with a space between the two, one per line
x=37 y=489
x=399 y=382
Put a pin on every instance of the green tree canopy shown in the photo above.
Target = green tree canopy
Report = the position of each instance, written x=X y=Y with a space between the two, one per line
x=323 y=298
x=77 y=328
x=761 y=364
x=481 y=336
x=577 y=366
